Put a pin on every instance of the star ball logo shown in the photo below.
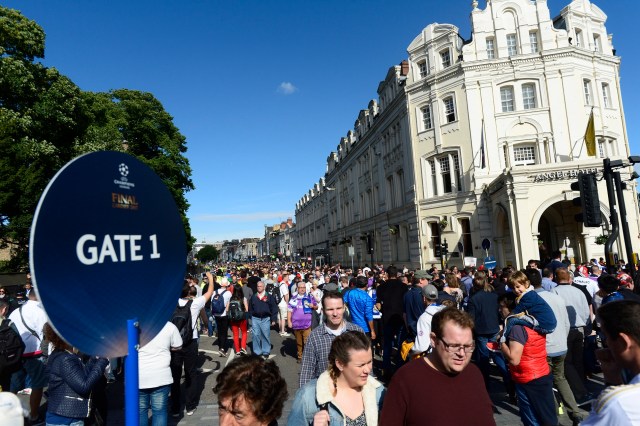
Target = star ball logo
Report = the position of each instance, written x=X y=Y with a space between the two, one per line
x=124 y=170
x=123 y=181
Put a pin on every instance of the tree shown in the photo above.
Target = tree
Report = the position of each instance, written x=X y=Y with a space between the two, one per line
x=138 y=123
x=42 y=114
x=46 y=121
x=207 y=254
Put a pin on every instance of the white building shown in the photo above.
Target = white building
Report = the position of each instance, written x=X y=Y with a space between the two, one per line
x=495 y=137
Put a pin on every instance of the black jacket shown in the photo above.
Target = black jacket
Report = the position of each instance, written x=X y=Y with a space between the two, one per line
x=71 y=382
x=262 y=309
x=483 y=308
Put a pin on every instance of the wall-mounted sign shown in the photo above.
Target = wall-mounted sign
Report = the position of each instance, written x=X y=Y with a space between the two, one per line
x=561 y=174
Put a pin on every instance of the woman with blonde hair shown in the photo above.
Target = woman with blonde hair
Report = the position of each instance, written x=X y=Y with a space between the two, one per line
x=345 y=394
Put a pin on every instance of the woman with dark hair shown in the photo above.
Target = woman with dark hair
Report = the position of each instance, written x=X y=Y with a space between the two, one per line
x=236 y=309
x=251 y=392
x=345 y=394
x=70 y=382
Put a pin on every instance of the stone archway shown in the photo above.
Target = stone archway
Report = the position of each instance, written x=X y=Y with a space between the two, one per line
x=558 y=230
x=555 y=225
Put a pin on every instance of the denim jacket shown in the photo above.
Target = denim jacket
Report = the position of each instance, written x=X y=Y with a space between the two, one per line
x=316 y=393
x=71 y=382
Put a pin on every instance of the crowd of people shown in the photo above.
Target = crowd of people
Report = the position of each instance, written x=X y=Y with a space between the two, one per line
x=544 y=330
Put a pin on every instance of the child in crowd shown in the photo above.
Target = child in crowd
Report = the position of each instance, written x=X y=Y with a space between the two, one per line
x=531 y=309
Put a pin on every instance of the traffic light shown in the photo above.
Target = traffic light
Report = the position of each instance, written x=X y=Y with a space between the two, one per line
x=588 y=200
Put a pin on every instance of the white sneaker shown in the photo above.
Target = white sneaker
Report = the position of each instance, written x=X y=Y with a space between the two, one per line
x=190 y=412
x=285 y=334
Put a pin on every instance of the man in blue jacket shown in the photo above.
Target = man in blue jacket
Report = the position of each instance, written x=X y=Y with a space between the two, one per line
x=361 y=307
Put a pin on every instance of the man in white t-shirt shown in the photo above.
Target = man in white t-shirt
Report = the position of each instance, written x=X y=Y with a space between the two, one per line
x=282 y=306
x=188 y=355
x=154 y=373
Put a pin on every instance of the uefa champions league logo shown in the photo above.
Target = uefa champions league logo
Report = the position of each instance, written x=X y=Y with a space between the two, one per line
x=123 y=182
x=123 y=169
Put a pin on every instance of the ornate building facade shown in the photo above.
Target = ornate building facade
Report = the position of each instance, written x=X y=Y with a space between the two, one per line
x=479 y=139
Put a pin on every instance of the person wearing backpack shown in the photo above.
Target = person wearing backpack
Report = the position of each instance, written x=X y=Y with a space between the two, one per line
x=29 y=320
x=11 y=348
x=236 y=310
x=219 y=304
x=187 y=357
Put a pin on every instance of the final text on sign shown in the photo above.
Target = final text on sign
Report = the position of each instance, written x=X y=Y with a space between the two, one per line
x=114 y=248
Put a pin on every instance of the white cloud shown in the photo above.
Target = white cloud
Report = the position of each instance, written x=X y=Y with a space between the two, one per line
x=287 y=88
x=243 y=217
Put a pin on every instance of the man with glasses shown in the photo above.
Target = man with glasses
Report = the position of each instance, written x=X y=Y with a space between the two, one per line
x=420 y=392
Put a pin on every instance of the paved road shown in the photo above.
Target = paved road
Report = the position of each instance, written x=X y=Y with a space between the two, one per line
x=284 y=353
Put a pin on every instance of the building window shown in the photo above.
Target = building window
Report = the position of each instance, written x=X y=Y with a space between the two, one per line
x=579 y=39
x=601 y=152
x=435 y=238
x=491 y=50
x=422 y=67
x=391 y=193
x=434 y=184
x=446 y=58
x=533 y=41
x=427 y=121
x=449 y=109
x=524 y=155
x=446 y=176
x=465 y=237
x=606 y=95
x=458 y=175
x=529 y=96
x=445 y=172
x=512 y=47
x=506 y=97
x=597 y=45
x=586 y=84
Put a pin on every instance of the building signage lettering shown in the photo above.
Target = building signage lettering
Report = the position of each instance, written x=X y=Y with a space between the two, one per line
x=561 y=174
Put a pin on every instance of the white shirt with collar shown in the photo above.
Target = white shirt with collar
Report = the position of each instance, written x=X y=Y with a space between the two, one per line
x=617 y=405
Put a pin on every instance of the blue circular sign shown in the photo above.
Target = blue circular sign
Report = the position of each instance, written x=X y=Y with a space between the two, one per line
x=107 y=245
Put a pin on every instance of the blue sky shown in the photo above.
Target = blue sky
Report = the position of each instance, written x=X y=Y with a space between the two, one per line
x=262 y=90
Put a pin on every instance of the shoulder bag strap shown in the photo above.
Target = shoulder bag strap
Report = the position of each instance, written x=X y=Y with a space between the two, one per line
x=28 y=328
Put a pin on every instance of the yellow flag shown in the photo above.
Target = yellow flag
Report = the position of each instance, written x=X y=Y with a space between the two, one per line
x=590 y=137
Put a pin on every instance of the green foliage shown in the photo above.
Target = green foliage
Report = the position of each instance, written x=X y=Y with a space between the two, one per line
x=19 y=36
x=207 y=254
x=46 y=120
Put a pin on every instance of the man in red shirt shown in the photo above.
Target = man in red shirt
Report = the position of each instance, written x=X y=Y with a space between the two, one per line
x=421 y=392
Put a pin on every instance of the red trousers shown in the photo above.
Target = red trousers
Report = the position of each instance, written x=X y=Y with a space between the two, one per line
x=236 y=328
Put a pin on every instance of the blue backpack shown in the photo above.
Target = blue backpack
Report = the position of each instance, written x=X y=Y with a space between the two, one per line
x=217 y=303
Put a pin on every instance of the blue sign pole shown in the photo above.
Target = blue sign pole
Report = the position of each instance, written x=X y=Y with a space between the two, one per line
x=131 y=410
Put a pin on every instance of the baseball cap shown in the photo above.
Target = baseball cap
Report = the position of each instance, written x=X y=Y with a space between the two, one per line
x=430 y=292
x=421 y=273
